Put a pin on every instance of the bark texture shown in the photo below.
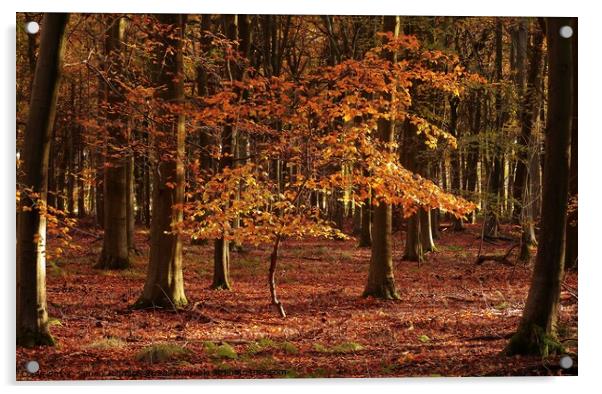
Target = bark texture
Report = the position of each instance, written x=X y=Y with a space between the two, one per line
x=32 y=315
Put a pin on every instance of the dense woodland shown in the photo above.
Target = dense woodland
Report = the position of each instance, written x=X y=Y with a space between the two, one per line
x=275 y=195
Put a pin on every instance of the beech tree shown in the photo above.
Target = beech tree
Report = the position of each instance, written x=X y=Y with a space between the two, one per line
x=537 y=330
x=381 y=282
x=115 y=252
x=32 y=315
x=164 y=285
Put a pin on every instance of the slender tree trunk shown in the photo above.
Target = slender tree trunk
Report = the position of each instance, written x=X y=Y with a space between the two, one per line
x=537 y=329
x=454 y=102
x=32 y=315
x=495 y=191
x=131 y=199
x=115 y=250
x=435 y=223
x=164 y=280
x=571 y=228
x=528 y=149
x=381 y=282
x=473 y=155
x=221 y=259
x=426 y=236
x=529 y=113
x=366 y=225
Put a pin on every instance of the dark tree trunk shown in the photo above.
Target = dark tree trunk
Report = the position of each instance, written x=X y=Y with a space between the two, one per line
x=435 y=223
x=413 y=248
x=381 y=282
x=537 y=329
x=457 y=223
x=221 y=259
x=473 y=155
x=494 y=199
x=115 y=251
x=366 y=230
x=32 y=315
x=528 y=116
x=164 y=285
x=571 y=229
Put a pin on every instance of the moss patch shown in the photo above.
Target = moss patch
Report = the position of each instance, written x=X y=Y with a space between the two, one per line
x=533 y=340
x=162 y=352
x=222 y=351
x=345 y=347
x=107 y=343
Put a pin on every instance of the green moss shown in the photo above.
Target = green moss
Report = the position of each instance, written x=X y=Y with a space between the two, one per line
x=266 y=344
x=224 y=350
x=345 y=347
x=533 y=340
x=289 y=348
x=107 y=343
x=162 y=352
x=424 y=338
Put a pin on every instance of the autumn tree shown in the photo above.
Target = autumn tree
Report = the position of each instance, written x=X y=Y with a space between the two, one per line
x=381 y=282
x=32 y=315
x=537 y=329
x=164 y=284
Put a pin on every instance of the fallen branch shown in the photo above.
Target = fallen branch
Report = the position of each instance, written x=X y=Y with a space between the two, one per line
x=503 y=259
x=569 y=290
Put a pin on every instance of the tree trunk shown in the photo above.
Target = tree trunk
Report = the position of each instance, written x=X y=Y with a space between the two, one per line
x=537 y=330
x=115 y=251
x=366 y=230
x=571 y=228
x=426 y=236
x=130 y=199
x=381 y=282
x=164 y=285
x=528 y=116
x=413 y=248
x=457 y=223
x=32 y=316
x=494 y=199
x=221 y=255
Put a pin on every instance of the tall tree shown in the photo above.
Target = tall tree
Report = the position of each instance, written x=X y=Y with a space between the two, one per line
x=115 y=252
x=496 y=176
x=381 y=282
x=571 y=229
x=538 y=323
x=32 y=315
x=527 y=146
x=164 y=281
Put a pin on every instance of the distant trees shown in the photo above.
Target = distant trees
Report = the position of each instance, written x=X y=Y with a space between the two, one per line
x=537 y=330
x=32 y=315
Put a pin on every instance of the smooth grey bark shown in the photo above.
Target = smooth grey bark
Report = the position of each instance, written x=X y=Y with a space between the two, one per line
x=32 y=315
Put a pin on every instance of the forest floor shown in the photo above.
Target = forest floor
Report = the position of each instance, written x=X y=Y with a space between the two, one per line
x=453 y=319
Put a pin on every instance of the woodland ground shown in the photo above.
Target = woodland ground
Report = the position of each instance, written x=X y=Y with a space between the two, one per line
x=453 y=318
